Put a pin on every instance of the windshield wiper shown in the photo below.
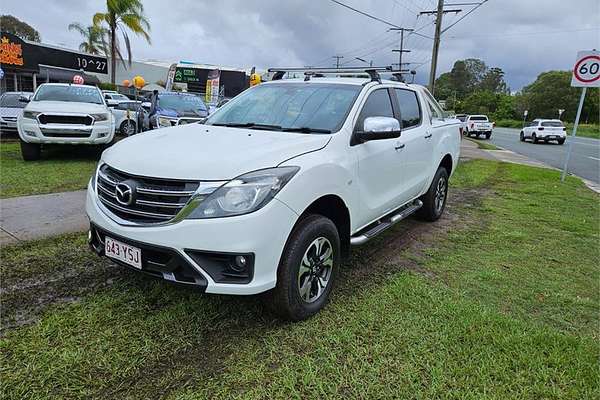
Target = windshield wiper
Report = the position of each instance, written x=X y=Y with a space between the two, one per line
x=251 y=125
x=306 y=129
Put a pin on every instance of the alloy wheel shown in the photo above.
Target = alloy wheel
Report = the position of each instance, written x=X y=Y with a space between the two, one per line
x=440 y=195
x=315 y=269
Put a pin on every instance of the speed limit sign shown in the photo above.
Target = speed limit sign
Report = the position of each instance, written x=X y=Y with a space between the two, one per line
x=587 y=69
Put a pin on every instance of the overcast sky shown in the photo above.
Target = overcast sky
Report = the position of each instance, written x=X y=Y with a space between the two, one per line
x=523 y=37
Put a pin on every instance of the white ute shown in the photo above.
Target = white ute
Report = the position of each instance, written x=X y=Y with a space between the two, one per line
x=270 y=193
x=61 y=113
x=478 y=125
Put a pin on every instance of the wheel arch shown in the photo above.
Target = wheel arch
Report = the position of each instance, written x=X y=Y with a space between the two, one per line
x=333 y=207
x=447 y=163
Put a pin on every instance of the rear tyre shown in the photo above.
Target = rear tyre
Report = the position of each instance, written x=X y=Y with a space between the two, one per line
x=488 y=135
x=434 y=201
x=30 y=151
x=521 y=136
x=561 y=141
x=307 y=269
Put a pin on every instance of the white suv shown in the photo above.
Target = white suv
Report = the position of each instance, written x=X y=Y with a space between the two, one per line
x=275 y=187
x=544 y=130
x=60 y=113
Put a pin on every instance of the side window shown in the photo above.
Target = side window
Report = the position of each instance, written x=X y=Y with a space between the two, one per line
x=410 y=111
x=434 y=107
x=377 y=105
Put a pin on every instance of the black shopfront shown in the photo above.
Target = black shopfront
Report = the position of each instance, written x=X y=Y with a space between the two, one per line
x=27 y=64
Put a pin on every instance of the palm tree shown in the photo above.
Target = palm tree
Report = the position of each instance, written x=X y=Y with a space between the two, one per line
x=94 y=38
x=119 y=16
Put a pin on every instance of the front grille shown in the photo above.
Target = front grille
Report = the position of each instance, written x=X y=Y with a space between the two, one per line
x=65 y=119
x=10 y=119
x=65 y=133
x=155 y=199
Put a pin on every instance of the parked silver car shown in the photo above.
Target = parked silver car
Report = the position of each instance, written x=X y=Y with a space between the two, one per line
x=11 y=109
x=128 y=116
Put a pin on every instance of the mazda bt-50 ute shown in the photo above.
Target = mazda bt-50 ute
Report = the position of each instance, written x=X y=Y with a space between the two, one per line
x=272 y=191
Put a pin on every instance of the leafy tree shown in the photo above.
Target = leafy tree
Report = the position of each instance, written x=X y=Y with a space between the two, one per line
x=493 y=81
x=552 y=90
x=122 y=15
x=468 y=76
x=94 y=38
x=19 y=28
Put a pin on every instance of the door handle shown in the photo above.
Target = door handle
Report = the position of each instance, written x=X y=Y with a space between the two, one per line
x=428 y=136
x=400 y=146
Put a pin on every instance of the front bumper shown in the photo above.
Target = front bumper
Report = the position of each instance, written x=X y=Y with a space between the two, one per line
x=8 y=125
x=31 y=131
x=261 y=234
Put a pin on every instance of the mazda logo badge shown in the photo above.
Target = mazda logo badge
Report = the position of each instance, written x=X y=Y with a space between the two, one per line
x=124 y=194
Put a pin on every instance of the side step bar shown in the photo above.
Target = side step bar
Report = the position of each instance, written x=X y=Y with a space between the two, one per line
x=386 y=222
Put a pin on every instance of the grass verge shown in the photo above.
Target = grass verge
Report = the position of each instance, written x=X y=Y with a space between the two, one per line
x=501 y=304
x=61 y=169
x=483 y=145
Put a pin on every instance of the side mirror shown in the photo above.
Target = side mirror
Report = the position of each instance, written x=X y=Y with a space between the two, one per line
x=377 y=128
x=146 y=105
x=24 y=99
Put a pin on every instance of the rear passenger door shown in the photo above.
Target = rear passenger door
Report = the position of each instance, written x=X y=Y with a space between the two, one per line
x=416 y=142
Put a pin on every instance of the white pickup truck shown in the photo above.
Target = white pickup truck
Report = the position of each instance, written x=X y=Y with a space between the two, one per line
x=270 y=193
x=62 y=113
x=478 y=125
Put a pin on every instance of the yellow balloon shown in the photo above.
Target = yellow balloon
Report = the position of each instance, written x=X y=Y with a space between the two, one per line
x=254 y=79
x=138 y=82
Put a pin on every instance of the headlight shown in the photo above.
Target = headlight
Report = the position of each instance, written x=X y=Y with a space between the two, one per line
x=100 y=117
x=244 y=194
x=30 y=114
x=164 y=122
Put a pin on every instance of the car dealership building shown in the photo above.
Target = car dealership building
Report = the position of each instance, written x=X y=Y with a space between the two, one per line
x=26 y=64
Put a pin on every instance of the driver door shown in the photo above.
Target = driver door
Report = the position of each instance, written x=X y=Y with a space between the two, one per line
x=379 y=162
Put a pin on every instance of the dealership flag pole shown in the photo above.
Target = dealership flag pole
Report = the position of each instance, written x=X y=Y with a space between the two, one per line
x=564 y=172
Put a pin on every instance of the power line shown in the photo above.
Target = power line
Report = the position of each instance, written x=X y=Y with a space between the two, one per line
x=365 y=14
x=464 y=16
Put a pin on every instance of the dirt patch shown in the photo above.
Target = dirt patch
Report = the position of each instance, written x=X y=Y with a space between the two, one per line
x=24 y=301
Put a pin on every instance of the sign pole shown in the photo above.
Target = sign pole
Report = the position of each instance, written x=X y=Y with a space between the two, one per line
x=564 y=172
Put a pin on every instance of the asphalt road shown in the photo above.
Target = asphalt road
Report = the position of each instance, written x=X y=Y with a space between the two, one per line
x=585 y=154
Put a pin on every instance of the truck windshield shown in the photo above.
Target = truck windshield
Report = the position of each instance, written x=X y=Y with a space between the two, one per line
x=181 y=102
x=73 y=93
x=294 y=107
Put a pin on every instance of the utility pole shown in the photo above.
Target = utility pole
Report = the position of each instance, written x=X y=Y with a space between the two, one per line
x=436 y=45
x=337 y=60
x=401 y=50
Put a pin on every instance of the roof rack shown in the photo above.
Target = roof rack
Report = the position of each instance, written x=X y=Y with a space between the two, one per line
x=373 y=72
x=398 y=74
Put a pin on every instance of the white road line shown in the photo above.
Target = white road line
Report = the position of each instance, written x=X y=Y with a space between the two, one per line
x=594 y=158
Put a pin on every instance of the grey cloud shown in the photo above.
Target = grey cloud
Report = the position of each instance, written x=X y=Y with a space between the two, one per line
x=302 y=32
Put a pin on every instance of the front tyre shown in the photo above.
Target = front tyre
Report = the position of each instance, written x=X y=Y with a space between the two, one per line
x=434 y=201
x=521 y=136
x=307 y=269
x=30 y=151
x=128 y=128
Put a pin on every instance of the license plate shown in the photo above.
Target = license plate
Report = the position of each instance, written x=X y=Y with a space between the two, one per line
x=123 y=252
